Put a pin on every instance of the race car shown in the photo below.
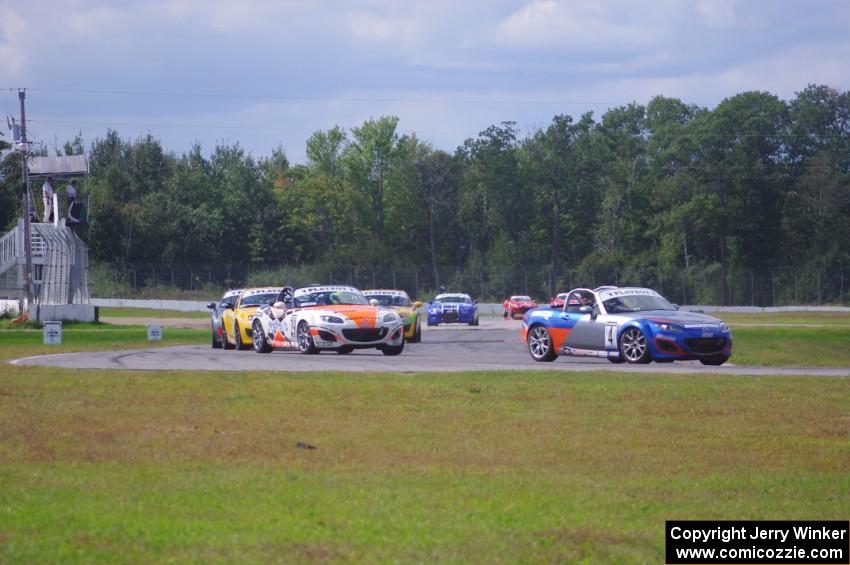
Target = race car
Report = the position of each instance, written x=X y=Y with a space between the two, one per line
x=635 y=325
x=237 y=320
x=399 y=301
x=327 y=318
x=558 y=300
x=518 y=304
x=453 y=308
x=218 y=308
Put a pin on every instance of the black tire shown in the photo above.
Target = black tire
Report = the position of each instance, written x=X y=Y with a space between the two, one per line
x=634 y=347
x=474 y=321
x=239 y=345
x=261 y=344
x=305 y=340
x=540 y=345
x=216 y=343
x=344 y=350
x=225 y=343
x=392 y=349
x=505 y=315
x=714 y=360
x=616 y=360
x=417 y=333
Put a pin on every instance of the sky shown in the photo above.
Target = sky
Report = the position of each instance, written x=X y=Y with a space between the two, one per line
x=266 y=74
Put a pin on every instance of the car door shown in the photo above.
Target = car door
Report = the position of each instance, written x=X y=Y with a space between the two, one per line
x=588 y=328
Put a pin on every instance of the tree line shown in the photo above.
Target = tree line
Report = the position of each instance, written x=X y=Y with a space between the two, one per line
x=722 y=205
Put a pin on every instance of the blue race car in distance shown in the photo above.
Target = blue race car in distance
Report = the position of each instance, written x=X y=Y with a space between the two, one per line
x=453 y=308
x=636 y=325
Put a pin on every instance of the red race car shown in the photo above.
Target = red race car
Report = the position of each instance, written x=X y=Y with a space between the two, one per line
x=518 y=305
x=558 y=301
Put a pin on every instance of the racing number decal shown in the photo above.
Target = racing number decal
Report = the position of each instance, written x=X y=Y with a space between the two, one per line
x=610 y=335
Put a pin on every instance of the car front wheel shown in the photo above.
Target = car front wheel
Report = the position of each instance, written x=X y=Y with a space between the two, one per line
x=633 y=346
x=261 y=344
x=540 y=344
x=239 y=345
x=714 y=360
x=305 y=340
x=392 y=349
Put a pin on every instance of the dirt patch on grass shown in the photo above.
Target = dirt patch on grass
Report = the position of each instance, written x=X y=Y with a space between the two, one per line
x=190 y=323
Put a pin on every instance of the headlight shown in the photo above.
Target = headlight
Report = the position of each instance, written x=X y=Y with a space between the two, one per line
x=670 y=328
x=251 y=319
x=723 y=327
x=391 y=317
x=332 y=319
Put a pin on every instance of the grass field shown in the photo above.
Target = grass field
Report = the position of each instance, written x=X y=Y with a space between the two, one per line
x=119 y=466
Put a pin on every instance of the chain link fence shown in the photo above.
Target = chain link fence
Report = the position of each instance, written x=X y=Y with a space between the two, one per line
x=707 y=284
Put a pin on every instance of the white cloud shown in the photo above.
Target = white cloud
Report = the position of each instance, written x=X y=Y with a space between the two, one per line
x=13 y=42
x=549 y=23
x=717 y=13
x=378 y=29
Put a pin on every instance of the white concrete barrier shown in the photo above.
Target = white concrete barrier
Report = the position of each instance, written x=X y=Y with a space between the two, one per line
x=484 y=308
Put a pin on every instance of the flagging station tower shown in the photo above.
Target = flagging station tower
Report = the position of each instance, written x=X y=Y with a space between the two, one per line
x=44 y=265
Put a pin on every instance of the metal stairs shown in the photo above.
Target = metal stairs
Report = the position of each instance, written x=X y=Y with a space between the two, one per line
x=60 y=267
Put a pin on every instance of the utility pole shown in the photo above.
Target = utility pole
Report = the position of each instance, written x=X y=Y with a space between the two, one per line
x=22 y=94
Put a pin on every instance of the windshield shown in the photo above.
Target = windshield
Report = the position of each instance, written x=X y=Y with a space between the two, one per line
x=258 y=299
x=387 y=300
x=521 y=298
x=330 y=298
x=455 y=299
x=636 y=303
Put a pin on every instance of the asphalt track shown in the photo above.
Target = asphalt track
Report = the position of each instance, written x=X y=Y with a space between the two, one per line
x=495 y=345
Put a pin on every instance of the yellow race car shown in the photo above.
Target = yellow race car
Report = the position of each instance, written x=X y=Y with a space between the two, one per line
x=399 y=301
x=236 y=320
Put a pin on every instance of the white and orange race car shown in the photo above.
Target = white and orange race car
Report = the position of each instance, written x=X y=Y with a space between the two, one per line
x=327 y=318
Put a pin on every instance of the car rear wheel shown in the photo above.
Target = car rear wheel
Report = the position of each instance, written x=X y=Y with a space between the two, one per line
x=305 y=340
x=216 y=343
x=714 y=360
x=615 y=360
x=633 y=346
x=540 y=344
x=261 y=344
x=344 y=350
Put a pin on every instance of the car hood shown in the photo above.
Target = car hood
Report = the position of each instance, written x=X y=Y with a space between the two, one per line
x=362 y=316
x=681 y=317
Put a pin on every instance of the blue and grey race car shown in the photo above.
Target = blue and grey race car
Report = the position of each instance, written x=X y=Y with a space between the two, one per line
x=453 y=308
x=636 y=325
x=217 y=308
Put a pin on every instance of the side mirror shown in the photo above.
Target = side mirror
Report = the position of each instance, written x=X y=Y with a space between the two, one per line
x=211 y=305
x=417 y=304
x=475 y=302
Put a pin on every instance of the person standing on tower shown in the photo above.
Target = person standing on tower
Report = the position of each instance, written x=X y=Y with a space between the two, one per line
x=47 y=199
